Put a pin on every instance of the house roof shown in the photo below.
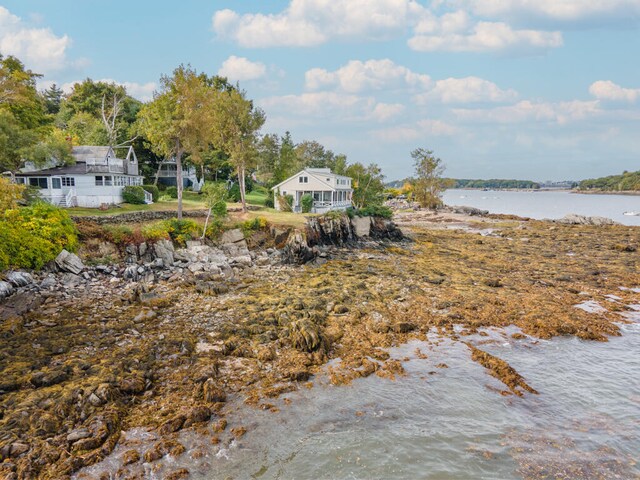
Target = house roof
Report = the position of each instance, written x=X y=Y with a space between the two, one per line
x=319 y=174
x=77 y=169
x=83 y=152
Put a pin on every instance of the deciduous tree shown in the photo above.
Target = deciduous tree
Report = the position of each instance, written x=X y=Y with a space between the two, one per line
x=428 y=183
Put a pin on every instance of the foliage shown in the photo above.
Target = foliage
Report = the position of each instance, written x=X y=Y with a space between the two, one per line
x=34 y=235
x=306 y=201
x=119 y=234
x=253 y=225
x=172 y=191
x=428 y=184
x=268 y=202
x=628 y=181
x=153 y=190
x=285 y=203
x=133 y=194
x=234 y=193
x=10 y=194
x=152 y=232
x=368 y=184
x=182 y=230
x=214 y=229
x=494 y=183
x=215 y=195
x=375 y=211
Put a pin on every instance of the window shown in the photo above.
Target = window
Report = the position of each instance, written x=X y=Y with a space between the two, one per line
x=303 y=179
x=56 y=183
x=68 y=182
x=108 y=180
x=20 y=180
x=99 y=181
x=38 y=182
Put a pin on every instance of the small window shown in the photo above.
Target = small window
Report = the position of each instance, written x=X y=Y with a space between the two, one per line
x=303 y=179
x=99 y=180
x=68 y=182
x=38 y=182
x=56 y=183
x=20 y=180
x=108 y=180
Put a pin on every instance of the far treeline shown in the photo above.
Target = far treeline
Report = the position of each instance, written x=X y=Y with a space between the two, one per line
x=478 y=183
x=626 y=182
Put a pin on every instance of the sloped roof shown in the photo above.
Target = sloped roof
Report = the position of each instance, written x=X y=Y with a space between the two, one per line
x=316 y=173
x=83 y=152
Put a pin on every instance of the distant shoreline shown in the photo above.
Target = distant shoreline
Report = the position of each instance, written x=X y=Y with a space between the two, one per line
x=579 y=192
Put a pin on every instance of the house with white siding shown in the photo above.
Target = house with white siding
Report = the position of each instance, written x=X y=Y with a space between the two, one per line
x=98 y=177
x=167 y=174
x=329 y=190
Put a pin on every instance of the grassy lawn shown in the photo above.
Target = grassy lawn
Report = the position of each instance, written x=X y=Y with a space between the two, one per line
x=190 y=201
x=257 y=196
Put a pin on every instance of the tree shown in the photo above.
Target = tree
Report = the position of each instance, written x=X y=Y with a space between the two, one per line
x=368 y=184
x=428 y=183
x=10 y=194
x=236 y=123
x=179 y=118
x=53 y=99
x=214 y=195
x=287 y=161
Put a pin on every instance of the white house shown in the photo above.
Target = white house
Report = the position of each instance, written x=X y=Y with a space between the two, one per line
x=98 y=177
x=167 y=175
x=329 y=191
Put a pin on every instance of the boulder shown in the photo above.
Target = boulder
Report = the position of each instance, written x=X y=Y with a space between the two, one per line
x=69 y=262
x=573 y=219
x=297 y=250
x=164 y=250
x=362 y=226
x=19 y=279
x=6 y=289
x=232 y=236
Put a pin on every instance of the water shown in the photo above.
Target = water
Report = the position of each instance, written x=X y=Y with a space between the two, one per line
x=446 y=423
x=548 y=204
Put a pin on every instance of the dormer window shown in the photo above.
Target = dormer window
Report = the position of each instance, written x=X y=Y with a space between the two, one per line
x=303 y=179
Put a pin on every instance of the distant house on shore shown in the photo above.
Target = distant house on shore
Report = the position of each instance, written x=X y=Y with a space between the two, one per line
x=97 y=177
x=329 y=191
x=168 y=175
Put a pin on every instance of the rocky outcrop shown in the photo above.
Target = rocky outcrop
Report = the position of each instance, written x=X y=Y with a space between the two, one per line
x=69 y=262
x=573 y=219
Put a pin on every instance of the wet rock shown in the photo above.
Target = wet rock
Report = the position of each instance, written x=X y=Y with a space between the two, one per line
x=18 y=449
x=197 y=414
x=471 y=211
x=173 y=425
x=48 y=282
x=70 y=280
x=130 y=456
x=69 y=262
x=19 y=279
x=403 y=327
x=296 y=250
x=178 y=474
x=46 y=379
x=212 y=393
x=492 y=282
x=145 y=315
x=232 y=236
x=573 y=219
x=133 y=384
x=131 y=273
x=362 y=226
x=78 y=434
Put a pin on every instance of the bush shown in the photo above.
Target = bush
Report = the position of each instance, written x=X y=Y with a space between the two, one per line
x=268 y=202
x=253 y=225
x=307 y=203
x=172 y=192
x=375 y=211
x=214 y=229
x=153 y=190
x=285 y=202
x=153 y=232
x=234 y=193
x=133 y=194
x=182 y=230
x=119 y=234
x=34 y=235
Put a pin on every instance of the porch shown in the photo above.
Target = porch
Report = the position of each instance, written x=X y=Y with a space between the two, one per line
x=324 y=201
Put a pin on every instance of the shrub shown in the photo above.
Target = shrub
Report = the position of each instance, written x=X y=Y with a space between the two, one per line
x=153 y=232
x=153 y=190
x=34 y=235
x=165 y=198
x=307 y=203
x=172 y=192
x=234 y=193
x=253 y=225
x=214 y=229
x=182 y=230
x=285 y=202
x=375 y=211
x=119 y=234
x=10 y=193
x=268 y=202
x=133 y=194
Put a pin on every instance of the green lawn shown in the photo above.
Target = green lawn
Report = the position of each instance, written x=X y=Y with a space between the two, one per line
x=257 y=196
x=190 y=201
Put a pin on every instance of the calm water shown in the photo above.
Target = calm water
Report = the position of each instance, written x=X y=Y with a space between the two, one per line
x=549 y=204
x=445 y=423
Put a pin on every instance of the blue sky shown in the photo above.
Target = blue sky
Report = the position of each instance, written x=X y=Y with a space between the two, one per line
x=531 y=89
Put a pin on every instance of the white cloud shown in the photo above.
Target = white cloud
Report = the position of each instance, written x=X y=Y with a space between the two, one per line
x=528 y=111
x=313 y=22
x=335 y=106
x=39 y=48
x=607 y=90
x=466 y=90
x=422 y=129
x=357 y=76
x=241 y=69
x=483 y=37
x=558 y=10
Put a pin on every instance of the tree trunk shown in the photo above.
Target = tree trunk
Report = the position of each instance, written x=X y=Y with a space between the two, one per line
x=206 y=223
x=155 y=180
x=179 y=152
x=242 y=191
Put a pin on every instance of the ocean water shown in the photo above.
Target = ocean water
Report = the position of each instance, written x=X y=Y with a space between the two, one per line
x=443 y=423
x=549 y=204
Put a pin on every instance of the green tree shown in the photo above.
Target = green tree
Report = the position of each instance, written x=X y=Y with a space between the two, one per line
x=368 y=184
x=287 y=162
x=52 y=99
x=179 y=118
x=428 y=183
x=215 y=195
x=236 y=122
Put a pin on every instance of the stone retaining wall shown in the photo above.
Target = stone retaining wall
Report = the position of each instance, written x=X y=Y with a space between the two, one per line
x=133 y=217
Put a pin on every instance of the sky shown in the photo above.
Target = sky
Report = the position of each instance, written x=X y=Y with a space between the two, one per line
x=527 y=89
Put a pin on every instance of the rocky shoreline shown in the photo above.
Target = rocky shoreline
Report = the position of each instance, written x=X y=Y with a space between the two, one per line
x=166 y=338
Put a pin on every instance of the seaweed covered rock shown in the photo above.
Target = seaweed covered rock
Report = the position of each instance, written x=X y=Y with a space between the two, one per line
x=330 y=230
x=296 y=250
x=305 y=335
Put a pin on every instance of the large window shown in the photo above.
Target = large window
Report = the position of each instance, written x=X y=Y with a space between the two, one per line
x=99 y=180
x=38 y=182
x=108 y=180
x=56 y=183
